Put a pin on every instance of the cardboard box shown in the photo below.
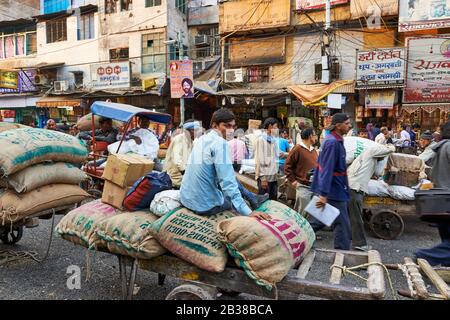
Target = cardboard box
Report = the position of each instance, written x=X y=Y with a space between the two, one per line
x=254 y=124
x=124 y=169
x=114 y=194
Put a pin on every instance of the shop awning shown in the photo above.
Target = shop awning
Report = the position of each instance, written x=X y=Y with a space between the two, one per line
x=427 y=107
x=55 y=102
x=251 y=92
x=346 y=88
x=310 y=94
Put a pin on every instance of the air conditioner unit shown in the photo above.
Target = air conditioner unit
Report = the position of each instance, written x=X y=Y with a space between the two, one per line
x=199 y=66
x=234 y=75
x=40 y=79
x=60 y=86
x=201 y=40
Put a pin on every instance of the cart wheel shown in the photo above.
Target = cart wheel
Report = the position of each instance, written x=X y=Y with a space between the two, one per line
x=12 y=236
x=387 y=225
x=95 y=193
x=192 y=292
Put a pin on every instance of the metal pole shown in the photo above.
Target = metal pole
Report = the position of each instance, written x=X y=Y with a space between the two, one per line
x=328 y=15
x=181 y=110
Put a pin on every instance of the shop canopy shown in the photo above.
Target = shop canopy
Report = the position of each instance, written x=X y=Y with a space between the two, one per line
x=125 y=112
x=311 y=94
x=58 y=101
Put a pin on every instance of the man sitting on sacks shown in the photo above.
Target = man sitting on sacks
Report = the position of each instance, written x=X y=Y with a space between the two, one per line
x=140 y=140
x=209 y=185
x=179 y=151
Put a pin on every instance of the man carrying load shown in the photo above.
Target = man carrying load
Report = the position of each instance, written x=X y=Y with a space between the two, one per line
x=209 y=184
x=179 y=151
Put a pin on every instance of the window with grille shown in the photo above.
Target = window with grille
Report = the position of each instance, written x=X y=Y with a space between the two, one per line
x=258 y=74
x=86 y=27
x=118 y=54
x=110 y=6
x=214 y=43
x=126 y=5
x=56 y=30
x=153 y=53
x=152 y=3
x=31 y=43
x=181 y=5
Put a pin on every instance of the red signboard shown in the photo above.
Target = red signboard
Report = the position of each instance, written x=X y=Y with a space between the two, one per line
x=428 y=70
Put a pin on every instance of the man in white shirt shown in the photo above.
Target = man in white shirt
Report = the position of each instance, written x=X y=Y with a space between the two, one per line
x=359 y=174
x=405 y=137
x=383 y=137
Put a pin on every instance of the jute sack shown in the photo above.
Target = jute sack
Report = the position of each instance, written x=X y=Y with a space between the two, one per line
x=43 y=174
x=267 y=250
x=5 y=126
x=79 y=225
x=15 y=206
x=193 y=238
x=22 y=148
x=85 y=122
x=128 y=234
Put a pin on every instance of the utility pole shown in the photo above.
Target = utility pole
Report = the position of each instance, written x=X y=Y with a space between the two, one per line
x=326 y=44
x=180 y=52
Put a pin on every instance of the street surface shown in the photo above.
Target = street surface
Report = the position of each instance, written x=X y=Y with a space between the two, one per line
x=28 y=279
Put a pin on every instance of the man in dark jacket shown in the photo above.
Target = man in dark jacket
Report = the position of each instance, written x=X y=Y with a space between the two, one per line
x=440 y=176
x=330 y=181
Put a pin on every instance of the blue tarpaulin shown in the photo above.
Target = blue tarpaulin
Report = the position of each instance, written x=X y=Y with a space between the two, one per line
x=125 y=112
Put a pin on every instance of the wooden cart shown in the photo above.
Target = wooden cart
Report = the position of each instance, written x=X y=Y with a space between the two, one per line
x=203 y=285
x=11 y=233
x=417 y=289
x=384 y=215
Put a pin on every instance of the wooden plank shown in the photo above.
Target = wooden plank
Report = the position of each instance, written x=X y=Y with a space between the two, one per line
x=434 y=277
x=351 y=258
x=336 y=273
x=236 y=280
x=416 y=279
x=248 y=183
x=303 y=269
x=444 y=273
x=375 y=281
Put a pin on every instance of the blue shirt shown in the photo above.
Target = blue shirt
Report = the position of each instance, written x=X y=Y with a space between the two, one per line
x=330 y=177
x=283 y=146
x=209 y=176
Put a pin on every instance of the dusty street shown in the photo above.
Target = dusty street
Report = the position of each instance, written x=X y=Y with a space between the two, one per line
x=28 y=279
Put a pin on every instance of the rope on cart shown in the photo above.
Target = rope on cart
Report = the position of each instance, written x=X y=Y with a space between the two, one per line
x=349 y=270
x=11 y=255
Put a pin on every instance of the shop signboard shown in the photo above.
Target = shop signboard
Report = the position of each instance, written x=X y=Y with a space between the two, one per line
x=254 y=14
x=181 y=79
x=370 y=8
x=423 y=14
x=316 y=4
x=428 y=70
x=25 y=83
x=114 y=75
x=380 y=99
x=381 y=67
x=9 y=79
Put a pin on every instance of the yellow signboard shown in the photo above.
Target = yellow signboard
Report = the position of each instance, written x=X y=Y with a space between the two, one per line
x=254 y=14
x=9 y=79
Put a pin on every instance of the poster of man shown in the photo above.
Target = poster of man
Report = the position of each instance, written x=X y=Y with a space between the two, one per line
x=181 y=79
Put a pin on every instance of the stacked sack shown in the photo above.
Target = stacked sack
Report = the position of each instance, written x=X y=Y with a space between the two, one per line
x=38 y=170
x=119 y=227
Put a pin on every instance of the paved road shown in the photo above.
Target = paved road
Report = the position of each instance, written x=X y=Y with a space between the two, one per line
x=30 y=280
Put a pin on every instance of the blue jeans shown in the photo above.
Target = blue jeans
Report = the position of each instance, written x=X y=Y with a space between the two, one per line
x=227 y=205
x=341 y=226
x=439 y=254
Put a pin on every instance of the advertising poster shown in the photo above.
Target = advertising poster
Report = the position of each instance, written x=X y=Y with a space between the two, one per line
x=110 y=75
x=423 y=14
x=181 y=79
